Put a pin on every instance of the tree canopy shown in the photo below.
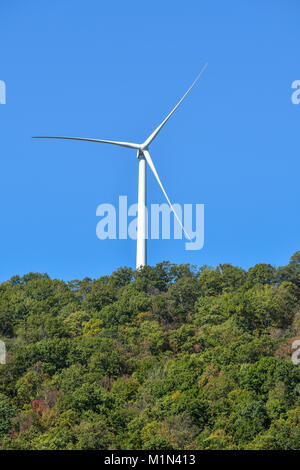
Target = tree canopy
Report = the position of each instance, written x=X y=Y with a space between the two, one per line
x=165 y=357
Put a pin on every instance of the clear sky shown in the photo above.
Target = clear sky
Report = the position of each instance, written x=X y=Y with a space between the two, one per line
x=113 y=70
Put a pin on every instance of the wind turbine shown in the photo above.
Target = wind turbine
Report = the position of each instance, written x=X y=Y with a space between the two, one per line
x=143 y=156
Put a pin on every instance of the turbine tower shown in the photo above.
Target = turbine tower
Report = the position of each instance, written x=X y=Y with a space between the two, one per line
x=143 y=156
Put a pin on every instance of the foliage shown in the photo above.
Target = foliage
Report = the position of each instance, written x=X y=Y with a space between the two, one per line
x=165 y=357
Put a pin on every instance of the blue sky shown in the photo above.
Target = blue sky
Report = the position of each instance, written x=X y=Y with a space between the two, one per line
x=113 y=70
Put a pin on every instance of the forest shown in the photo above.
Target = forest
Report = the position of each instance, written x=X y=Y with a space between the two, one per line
x=165 y=357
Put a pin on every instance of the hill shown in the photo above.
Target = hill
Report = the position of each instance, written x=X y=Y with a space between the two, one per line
x=167 y=357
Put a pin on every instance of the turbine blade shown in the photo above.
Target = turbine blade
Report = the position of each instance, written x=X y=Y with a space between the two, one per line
x=121 y=144
x=151 y=164
x=154 y=134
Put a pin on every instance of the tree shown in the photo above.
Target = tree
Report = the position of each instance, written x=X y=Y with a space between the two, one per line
x=7 y=411
x=166 y=357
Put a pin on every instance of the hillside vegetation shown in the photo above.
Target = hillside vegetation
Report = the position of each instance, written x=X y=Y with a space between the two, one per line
x=166 y=357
